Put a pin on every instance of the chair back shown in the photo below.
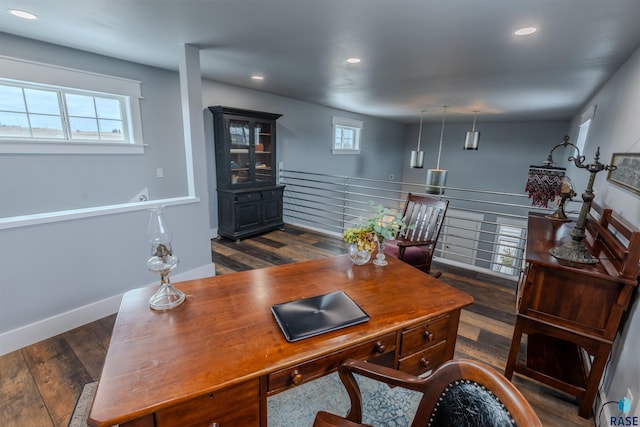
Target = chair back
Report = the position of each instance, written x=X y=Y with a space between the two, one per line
x=427 y=214
x=463 y=393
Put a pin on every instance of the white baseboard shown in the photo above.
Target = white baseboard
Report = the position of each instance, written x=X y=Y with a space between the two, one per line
x=46 y=328
x=602 y=418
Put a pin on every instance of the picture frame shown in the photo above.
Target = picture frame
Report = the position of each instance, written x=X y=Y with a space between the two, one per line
x=627 y=173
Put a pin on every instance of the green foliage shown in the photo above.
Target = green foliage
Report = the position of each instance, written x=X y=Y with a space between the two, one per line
x=384 y=224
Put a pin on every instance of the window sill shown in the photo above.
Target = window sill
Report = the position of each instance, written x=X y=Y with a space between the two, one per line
x=50 y=147
x=345 y=151
x=49 y=217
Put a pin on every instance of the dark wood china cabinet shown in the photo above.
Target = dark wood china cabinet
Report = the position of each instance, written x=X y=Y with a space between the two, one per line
x=249 y=200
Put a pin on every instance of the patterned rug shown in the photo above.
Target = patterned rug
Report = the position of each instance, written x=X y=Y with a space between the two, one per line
x=297 y=407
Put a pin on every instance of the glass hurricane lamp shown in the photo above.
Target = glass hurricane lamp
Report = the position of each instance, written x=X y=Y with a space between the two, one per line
x=162 y=262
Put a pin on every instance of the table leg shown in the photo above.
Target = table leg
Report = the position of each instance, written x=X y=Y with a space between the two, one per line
x=514 y=349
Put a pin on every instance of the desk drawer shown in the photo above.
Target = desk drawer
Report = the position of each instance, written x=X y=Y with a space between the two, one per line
x=425 y=335
x=296 y=375
x=234 y=406
x=426 y=360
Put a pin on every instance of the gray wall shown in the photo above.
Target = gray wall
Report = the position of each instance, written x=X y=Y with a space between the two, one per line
x=500 y=164
x=44 y=183
x=51 y=269
x=616 y=129
x=304 y=134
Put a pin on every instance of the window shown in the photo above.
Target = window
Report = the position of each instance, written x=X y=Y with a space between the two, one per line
x=99 y=114
x=508 y=250
x=583 y=128
x=346 y=136
x=33 y=113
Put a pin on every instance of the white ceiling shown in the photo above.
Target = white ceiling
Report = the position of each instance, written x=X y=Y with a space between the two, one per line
x=416 y=54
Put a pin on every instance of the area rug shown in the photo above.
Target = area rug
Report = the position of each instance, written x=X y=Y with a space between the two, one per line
x=382 y=406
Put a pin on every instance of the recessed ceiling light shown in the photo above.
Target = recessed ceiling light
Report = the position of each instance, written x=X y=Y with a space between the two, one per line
x=353 y=60
x=257 y=77
x=22 y=14
x=525 y=31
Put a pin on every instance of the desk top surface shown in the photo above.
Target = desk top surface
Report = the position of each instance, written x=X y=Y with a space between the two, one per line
x=545 y=233
x=224 y=333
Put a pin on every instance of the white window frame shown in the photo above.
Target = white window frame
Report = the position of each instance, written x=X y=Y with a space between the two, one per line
x=350 y=124
x=507 y=258
x=24 y=73
x=583 y=128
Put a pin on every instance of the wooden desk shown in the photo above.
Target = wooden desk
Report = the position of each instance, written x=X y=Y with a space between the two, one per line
x=217 y=357
x=571 y=312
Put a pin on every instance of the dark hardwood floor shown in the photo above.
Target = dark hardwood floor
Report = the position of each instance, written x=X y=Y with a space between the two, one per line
x=39 y=384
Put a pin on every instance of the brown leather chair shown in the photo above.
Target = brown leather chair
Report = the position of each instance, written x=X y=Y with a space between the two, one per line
x=417 y=244
x=462 y=393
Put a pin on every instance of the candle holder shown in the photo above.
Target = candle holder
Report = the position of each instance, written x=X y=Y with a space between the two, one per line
x=162 y=262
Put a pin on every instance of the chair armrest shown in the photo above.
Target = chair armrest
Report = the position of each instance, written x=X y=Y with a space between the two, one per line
x=375 y=372
x=407 y=243
x=381 y=373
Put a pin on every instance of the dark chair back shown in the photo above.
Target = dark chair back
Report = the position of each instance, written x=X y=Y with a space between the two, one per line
x=416 y=245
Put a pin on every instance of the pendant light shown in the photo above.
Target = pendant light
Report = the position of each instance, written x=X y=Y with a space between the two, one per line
x=417 y=156
x=436 y=178
x=473 y=137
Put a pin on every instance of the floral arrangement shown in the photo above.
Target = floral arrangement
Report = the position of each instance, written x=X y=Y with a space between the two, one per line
x=362 y=236
x=380 y=226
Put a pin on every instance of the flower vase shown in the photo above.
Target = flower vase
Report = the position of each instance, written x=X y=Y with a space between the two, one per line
x=358 y=257
x=380 y=260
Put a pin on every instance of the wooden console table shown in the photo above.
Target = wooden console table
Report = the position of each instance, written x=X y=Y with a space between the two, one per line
x=571 y=313
x=216 y=357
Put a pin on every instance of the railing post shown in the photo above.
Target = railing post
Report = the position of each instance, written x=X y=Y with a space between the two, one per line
x=344 y=202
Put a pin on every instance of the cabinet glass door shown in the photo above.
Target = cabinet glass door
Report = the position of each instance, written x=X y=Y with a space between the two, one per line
x=240 y=151
x=263 y=151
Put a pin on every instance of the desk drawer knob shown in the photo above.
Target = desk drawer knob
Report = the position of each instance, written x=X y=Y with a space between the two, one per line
x=428 y=335
x=296 y=377
x=380 y=348
x=425 y=363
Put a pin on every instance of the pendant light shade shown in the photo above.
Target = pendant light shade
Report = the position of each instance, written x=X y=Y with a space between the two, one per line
x=437 y=178
x=472 y=139
x=417 y=156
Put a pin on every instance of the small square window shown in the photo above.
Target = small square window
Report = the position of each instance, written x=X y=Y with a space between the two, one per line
x=346 y=136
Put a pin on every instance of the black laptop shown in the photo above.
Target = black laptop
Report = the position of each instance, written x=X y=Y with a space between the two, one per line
x=311 y=316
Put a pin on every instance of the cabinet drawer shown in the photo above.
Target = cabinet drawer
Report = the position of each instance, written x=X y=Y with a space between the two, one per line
x=272 y=194
x=296 y=375
x=425 y=335
x=234 y=406
x=425 y=360
x=247 y=197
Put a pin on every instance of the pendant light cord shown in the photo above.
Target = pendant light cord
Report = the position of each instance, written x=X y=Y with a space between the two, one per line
x=420 y=131
x=441 y=136
x=475 y=114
